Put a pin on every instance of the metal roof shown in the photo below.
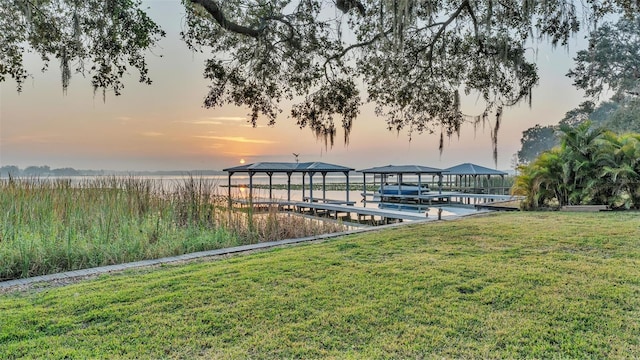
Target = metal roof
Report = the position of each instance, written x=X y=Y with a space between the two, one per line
x=402 y=169
x=288 y=167
x=472 y=169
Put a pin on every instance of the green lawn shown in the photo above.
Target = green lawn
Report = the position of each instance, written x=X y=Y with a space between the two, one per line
x=517 y=285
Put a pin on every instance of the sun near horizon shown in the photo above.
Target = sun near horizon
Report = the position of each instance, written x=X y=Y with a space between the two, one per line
x=242 y=161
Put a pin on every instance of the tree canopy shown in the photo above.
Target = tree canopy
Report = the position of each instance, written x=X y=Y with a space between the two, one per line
x=416 y=60
x=536 y=140
x=612 y=60
x=99 y=38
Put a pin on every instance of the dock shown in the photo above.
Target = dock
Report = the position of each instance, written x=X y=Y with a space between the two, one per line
x=339 y=210
x=412 y=191
x=435 y=198
x=266 y=203
x=388 y=209
x=362 y=214
x=262 y=204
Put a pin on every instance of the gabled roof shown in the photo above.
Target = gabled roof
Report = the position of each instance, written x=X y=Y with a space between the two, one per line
x=472 y=169
x=402 y=169
x=288 y=167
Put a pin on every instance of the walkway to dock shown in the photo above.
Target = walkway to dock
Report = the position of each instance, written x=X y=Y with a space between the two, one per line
x=361 y=213
x=435 y=198
x=342 y=210
x=393 y=208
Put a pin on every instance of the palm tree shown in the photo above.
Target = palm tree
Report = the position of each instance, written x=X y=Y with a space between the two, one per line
x=540 y=181
x=579 y=148
x=591 y=166
x=620 y=160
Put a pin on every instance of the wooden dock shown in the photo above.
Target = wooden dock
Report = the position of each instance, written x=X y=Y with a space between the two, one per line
x=337 y=211
x=434 y=198
x=263 y=204
x=328 y=201
x=390 y=209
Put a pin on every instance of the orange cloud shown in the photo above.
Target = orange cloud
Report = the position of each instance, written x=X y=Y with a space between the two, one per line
x=240 y=139
x=152 y=134
x=214 y=120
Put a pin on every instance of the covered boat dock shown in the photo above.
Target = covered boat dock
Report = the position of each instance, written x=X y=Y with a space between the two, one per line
x=289 y=168
x=401 y=192
x=469 y=178
x=462 y=187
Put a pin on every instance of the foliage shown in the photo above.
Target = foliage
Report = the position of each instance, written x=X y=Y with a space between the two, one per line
x=588 y=111
x=591 y=166
x=506 y=286
x=620 y=114
x=95 y=38
x=612 y=60
x=417 y=60
x=626 y=118
x=620 y=171
x=539 y=181
x=53 y=225
x=37 y=170
x=9 y=170
x=535 y=140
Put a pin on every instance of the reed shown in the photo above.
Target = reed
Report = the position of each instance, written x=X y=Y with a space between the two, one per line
x=53 y=225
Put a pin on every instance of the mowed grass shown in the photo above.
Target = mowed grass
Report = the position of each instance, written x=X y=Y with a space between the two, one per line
x=510 y=285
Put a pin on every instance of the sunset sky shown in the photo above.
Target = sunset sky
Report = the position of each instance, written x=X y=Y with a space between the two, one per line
x=165 y=127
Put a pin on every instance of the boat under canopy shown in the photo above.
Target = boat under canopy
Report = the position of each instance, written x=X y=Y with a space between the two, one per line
x=403 y=189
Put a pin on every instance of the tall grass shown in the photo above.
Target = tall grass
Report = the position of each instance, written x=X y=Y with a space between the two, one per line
x=53 y=225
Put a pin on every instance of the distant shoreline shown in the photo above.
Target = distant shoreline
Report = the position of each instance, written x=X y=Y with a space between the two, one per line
x=45 y=171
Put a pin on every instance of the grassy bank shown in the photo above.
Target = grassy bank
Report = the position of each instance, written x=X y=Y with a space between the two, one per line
x=53 y=225
x=517 y=285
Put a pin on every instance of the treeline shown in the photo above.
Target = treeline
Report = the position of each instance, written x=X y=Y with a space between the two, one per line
x=592 y=165
x=45 y=170
x=620 y=115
